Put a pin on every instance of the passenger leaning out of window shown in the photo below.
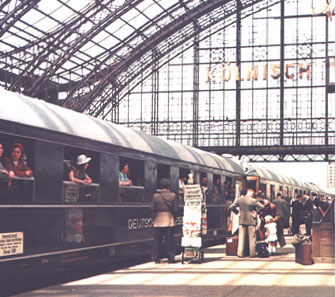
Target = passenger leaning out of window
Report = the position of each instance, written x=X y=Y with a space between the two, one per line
x=123 y=176
x=78 y=173
x=4 y=173
x=16 y=163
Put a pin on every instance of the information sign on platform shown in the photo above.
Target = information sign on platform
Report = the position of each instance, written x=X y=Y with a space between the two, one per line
x=192 y=219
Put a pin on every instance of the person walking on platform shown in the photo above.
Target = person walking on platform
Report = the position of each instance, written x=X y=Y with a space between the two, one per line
x=165 y=207
x=248 y=209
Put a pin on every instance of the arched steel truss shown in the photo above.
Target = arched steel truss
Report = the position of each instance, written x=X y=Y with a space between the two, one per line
x=60 y=60
x=105 y=75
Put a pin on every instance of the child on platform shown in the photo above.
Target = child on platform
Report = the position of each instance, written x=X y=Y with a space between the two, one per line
x=271 y=234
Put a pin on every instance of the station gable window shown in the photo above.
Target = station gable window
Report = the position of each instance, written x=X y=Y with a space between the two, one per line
x=22 y=187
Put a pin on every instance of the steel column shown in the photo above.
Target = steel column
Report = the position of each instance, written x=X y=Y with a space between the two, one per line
x=196 y=87
x=238 y=61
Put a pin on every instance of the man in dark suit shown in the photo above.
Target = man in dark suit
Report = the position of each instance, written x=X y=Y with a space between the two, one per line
x=248 y=208
x=321 y=207
x=308 y=208
x=281 y=206
x=297 y=208
x=283 y=209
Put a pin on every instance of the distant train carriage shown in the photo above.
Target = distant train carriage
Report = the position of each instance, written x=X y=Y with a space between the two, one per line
x=271 y=183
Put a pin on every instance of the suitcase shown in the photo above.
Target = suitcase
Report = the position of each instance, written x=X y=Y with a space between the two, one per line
x=232 y=246
x=261 y=249
x=303 y=253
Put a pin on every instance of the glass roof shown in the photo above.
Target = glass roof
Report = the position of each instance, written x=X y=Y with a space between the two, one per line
x=77 y=35
x=67 y=46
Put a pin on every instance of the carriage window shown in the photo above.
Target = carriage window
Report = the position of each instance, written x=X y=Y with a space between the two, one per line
x=217 y=188
x=183 y=180
x=80 y=175
x=163 y=172
x=17 y=183
x=131 y=170
x=229 y=189
x=262 y=190
x=204 y=184
x=131 y=180
x=286 y=193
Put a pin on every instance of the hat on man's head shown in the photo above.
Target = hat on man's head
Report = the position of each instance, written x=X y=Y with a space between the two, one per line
x=83 y=159
x=19 y=145
x=165 y=183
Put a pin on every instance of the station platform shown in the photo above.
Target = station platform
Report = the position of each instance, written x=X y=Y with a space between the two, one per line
x=218 y=276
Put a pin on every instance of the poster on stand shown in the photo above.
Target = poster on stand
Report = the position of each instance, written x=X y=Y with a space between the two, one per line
x=192 y=219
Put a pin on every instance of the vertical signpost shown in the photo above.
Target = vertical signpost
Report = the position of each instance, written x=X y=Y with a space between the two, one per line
x=194 y=222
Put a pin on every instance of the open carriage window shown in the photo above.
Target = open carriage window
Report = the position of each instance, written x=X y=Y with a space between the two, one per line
x=131 y=170
x=217 y=189
x=17 y=183
x=163 y=172
x=229 y=189
x=80 y=175
x=184 y=179
x=131 y=180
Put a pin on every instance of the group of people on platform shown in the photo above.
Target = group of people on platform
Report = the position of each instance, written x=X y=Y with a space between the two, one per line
x=257 y=214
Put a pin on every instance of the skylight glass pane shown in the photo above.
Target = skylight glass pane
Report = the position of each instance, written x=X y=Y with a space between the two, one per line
x=105 y=39
x=92 y=50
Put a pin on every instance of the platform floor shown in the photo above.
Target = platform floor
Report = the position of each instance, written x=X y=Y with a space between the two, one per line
x=218 y=276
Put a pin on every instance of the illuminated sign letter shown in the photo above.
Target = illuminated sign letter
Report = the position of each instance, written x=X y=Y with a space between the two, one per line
x=276 y=71
x=264 y=72
x=226 y=68
x=238 y=74
x=249 y=71
x=307 y=70
x=210 y=74
x=289 y=76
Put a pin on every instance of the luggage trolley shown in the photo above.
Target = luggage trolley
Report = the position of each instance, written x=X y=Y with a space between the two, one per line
x=194 y=223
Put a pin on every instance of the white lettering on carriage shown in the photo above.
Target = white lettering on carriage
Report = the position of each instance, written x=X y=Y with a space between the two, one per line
x=143 y=223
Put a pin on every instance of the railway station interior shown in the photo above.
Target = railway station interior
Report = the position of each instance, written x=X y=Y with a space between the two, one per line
x=109 y=104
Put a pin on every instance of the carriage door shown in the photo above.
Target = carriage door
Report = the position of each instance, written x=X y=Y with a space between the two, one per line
x=252 y=183
x=272 y=192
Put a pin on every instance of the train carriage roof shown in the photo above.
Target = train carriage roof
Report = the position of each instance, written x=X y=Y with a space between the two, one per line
x=276 y=177
x=40 y=114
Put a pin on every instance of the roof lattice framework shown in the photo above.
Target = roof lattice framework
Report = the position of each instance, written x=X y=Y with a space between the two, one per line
x=86 y=52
